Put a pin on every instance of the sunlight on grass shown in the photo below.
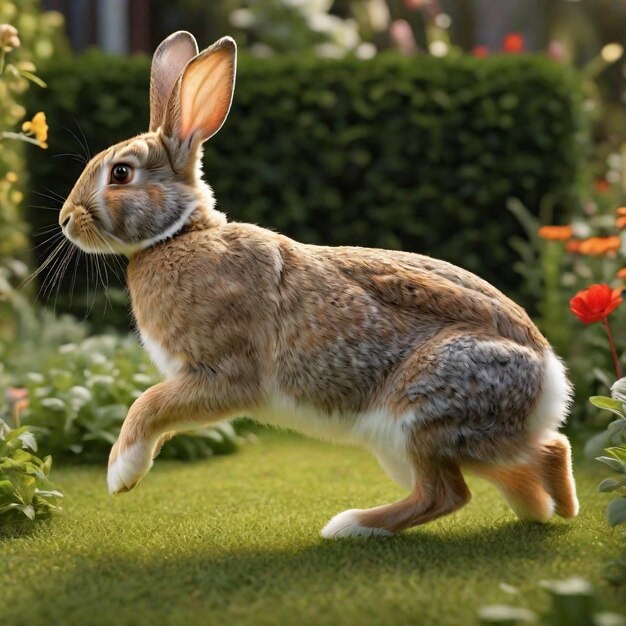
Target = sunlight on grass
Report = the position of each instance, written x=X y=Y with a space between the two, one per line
x=235 y=540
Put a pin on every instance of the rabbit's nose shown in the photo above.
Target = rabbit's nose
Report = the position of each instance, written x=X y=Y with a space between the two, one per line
x=65 y=215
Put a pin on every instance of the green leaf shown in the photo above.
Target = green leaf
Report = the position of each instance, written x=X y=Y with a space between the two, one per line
x=33 y=78
x=611 y=484
x=597 y=444
x=612 y=463
x=608 y=404
x=29 y=511
x=4 y=508
x=616 y=512
x=608 y=619
x=619 y=452
x=504 y=615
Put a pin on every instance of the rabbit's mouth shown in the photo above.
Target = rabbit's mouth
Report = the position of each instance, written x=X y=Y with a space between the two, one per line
x=80 y=227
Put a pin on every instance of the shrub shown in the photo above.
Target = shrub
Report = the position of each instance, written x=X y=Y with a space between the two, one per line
x=26 y=493
x=609 y=447
x=413 y=153
x=79 y=396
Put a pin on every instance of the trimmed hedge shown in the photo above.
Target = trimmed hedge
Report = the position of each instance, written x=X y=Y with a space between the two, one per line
x=413 y=153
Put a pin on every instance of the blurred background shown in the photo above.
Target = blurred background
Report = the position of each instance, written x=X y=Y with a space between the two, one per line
x=454 y=128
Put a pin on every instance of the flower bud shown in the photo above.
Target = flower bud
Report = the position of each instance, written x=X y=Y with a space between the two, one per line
x=8 y=37
x=618 y=390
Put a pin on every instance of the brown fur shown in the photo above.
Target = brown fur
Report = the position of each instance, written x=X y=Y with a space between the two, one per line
x=556 y=471
x=440 y=490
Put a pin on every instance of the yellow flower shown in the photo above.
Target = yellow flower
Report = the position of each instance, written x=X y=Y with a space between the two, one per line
x=11 y=177
x=38 y=127
x=16 y=196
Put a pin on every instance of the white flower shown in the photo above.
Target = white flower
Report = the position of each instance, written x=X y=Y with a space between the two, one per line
x=618 y=390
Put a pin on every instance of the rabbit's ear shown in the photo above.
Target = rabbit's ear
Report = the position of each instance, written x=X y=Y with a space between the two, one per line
x=202 y=98
x=168 y=62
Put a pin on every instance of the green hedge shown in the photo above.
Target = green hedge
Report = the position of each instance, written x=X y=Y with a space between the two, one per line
x=413 y=153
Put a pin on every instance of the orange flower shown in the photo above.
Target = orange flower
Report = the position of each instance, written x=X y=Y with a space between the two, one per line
x=513 y=43
x=620 y=222
x=595 y=303
x=558 y=233
x=621 y=211
x=599 y=246
x=573 y=245
x=621 y=273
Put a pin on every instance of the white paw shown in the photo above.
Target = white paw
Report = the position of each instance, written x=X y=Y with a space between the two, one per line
x=346 y=524
x=129 y=467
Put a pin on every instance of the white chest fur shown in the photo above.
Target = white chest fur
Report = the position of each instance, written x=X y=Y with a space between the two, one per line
x=167 y=364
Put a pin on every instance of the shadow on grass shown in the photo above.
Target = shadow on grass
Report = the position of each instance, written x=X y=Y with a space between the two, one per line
x=311 y=585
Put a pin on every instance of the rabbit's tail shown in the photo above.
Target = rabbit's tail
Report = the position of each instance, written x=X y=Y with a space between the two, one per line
x=552 y=405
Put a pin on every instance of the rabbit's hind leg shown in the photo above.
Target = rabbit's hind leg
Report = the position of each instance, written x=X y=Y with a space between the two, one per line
x=558 y=479
x=539 y=487
x=522 y=487
x=440 y=489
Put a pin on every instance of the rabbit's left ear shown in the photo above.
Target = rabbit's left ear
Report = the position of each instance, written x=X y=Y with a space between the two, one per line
x=201 y=100
x=168 y=62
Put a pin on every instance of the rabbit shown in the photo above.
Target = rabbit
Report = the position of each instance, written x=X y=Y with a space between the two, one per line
x=424 y=364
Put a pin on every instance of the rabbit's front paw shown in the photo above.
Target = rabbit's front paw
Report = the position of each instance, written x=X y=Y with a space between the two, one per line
x=128 y=465
x=347 y=524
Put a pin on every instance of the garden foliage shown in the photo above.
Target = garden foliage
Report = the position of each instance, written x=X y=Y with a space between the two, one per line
x=26 y=492
x=572 y=603
x=80 y=393
x=413 y=153
x=26 y=37
x=609 y=447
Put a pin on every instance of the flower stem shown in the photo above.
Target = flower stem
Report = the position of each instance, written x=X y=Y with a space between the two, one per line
x=18 y=136
x=618 y=370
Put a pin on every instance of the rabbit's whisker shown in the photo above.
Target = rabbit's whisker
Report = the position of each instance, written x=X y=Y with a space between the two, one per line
x=72 y=155
x=57 y=258
x=45 y=264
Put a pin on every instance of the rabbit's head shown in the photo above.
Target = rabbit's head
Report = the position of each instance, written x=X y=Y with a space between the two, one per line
x=143 y=190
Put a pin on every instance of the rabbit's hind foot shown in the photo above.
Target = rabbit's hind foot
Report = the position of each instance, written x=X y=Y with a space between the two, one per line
x=439 y=490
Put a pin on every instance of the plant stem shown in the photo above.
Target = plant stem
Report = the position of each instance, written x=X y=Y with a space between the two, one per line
x=19 y=137
x=618 y=370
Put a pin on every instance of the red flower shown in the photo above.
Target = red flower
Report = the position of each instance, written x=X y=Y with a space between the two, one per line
x=601 y=185
x=595 y=303
x=480 y=51
x=513 y=43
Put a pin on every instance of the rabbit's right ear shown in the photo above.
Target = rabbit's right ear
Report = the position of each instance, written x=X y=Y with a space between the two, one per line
x=168 y=62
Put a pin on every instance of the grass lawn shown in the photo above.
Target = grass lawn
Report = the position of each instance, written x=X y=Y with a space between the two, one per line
x=234 y=540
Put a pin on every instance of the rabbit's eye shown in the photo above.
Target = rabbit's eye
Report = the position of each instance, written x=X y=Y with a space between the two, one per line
x=121 y=173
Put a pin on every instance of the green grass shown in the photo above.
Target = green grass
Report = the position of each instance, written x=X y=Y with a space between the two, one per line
x=234 y=540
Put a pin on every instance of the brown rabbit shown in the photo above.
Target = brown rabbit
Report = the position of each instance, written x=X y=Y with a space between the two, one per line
x=428 y=366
